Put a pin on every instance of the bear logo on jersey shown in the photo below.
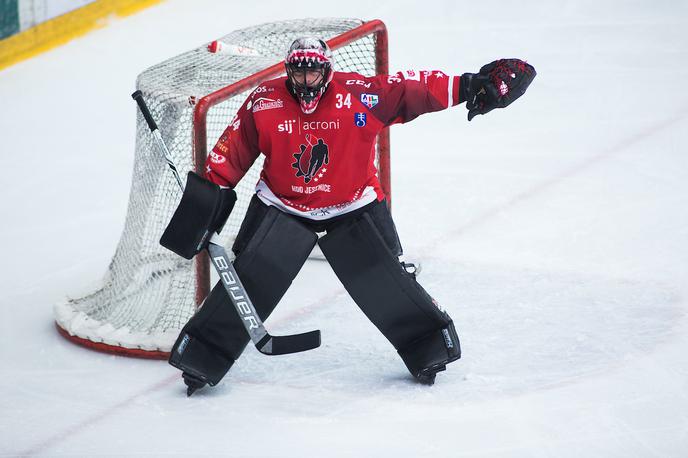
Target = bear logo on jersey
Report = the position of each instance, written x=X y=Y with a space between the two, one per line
x=313 y=155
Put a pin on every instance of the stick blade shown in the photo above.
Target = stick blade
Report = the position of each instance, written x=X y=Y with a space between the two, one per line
x=284 y=345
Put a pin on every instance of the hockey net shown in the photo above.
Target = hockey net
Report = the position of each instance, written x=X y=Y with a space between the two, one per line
x=148 y=293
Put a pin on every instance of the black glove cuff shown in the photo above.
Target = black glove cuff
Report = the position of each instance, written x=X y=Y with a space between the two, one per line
x=464 y=86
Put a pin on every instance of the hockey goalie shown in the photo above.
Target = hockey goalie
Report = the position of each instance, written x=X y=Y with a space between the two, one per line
x=317 y=128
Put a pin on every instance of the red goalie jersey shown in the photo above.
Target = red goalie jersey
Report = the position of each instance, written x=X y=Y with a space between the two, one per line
x=321 y=164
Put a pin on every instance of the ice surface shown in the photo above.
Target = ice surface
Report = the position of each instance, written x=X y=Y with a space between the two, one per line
x=554 y=232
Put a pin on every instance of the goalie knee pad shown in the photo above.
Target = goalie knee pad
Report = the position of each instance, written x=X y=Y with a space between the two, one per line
x=383 y=222
x=275 y=251
x=273 y=256
x=390 y=296
x=204 y=208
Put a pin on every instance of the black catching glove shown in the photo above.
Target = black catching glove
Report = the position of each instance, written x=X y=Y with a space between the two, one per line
x=497 y=85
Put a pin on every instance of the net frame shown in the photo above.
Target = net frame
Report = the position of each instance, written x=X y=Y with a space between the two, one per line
x=101 y=335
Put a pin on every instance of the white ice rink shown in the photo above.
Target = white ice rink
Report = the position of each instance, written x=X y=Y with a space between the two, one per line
x=555 y=233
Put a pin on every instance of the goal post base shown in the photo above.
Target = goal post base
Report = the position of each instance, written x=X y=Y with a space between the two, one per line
x=113 y=349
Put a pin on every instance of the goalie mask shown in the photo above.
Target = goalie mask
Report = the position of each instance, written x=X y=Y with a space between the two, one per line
x=309 y=71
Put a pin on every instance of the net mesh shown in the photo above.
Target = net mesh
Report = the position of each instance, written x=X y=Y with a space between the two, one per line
x=148 y=293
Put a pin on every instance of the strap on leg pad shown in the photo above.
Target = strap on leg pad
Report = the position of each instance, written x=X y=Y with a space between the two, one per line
x=204 y=208
x=389 y=296
x=267 y=265
x=384 y=223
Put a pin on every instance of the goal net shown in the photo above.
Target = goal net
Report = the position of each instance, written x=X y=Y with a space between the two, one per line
x=148 y=293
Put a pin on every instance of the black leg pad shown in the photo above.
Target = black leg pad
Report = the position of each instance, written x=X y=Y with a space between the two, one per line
x=195 y=357
x=389 y=296
x=431 y=353
x=273 y=256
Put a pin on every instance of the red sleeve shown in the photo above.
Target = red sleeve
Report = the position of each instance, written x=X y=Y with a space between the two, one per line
x=411 y=93
x=235 y=151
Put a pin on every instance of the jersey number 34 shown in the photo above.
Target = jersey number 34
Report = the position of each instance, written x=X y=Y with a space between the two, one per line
x=342 y=101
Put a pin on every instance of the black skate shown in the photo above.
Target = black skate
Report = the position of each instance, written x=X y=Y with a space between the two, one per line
x=427 y=376
x=192 y=383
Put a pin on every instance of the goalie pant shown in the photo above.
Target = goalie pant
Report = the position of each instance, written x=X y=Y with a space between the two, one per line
x=271 y=248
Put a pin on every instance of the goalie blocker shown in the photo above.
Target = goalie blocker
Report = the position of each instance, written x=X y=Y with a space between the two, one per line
x=204 y=208
x=271 y=248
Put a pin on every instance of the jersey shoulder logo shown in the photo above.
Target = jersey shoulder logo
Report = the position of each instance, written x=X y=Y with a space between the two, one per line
x=369 y=100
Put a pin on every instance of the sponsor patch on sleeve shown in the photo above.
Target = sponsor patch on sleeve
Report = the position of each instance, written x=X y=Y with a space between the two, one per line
x=217 y=158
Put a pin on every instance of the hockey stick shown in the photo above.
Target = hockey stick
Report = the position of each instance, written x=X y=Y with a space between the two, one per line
x=264 y=342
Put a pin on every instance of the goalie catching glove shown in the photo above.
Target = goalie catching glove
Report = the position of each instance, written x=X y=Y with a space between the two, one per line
x=497 y=85
x=204 y=209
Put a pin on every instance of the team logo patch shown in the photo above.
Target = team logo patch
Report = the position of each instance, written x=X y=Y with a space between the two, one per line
x=360 y=119
x=310 y=160
x=369 y=100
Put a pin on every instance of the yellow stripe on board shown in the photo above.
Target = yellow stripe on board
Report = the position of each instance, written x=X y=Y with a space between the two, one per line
x=61 y=29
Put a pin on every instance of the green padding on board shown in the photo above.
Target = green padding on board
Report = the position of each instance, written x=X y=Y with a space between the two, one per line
x=9 y=18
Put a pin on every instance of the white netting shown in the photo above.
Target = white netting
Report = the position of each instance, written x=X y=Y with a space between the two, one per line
x=148 y=293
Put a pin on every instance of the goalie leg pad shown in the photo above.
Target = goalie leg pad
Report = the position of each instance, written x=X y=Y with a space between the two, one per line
x=388 y=295
x=193 y=356
x=273 y=256
x=276 y=250
x=431 y=353
x=204 y=208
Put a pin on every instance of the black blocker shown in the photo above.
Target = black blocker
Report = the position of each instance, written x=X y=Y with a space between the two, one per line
x=203 y=209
